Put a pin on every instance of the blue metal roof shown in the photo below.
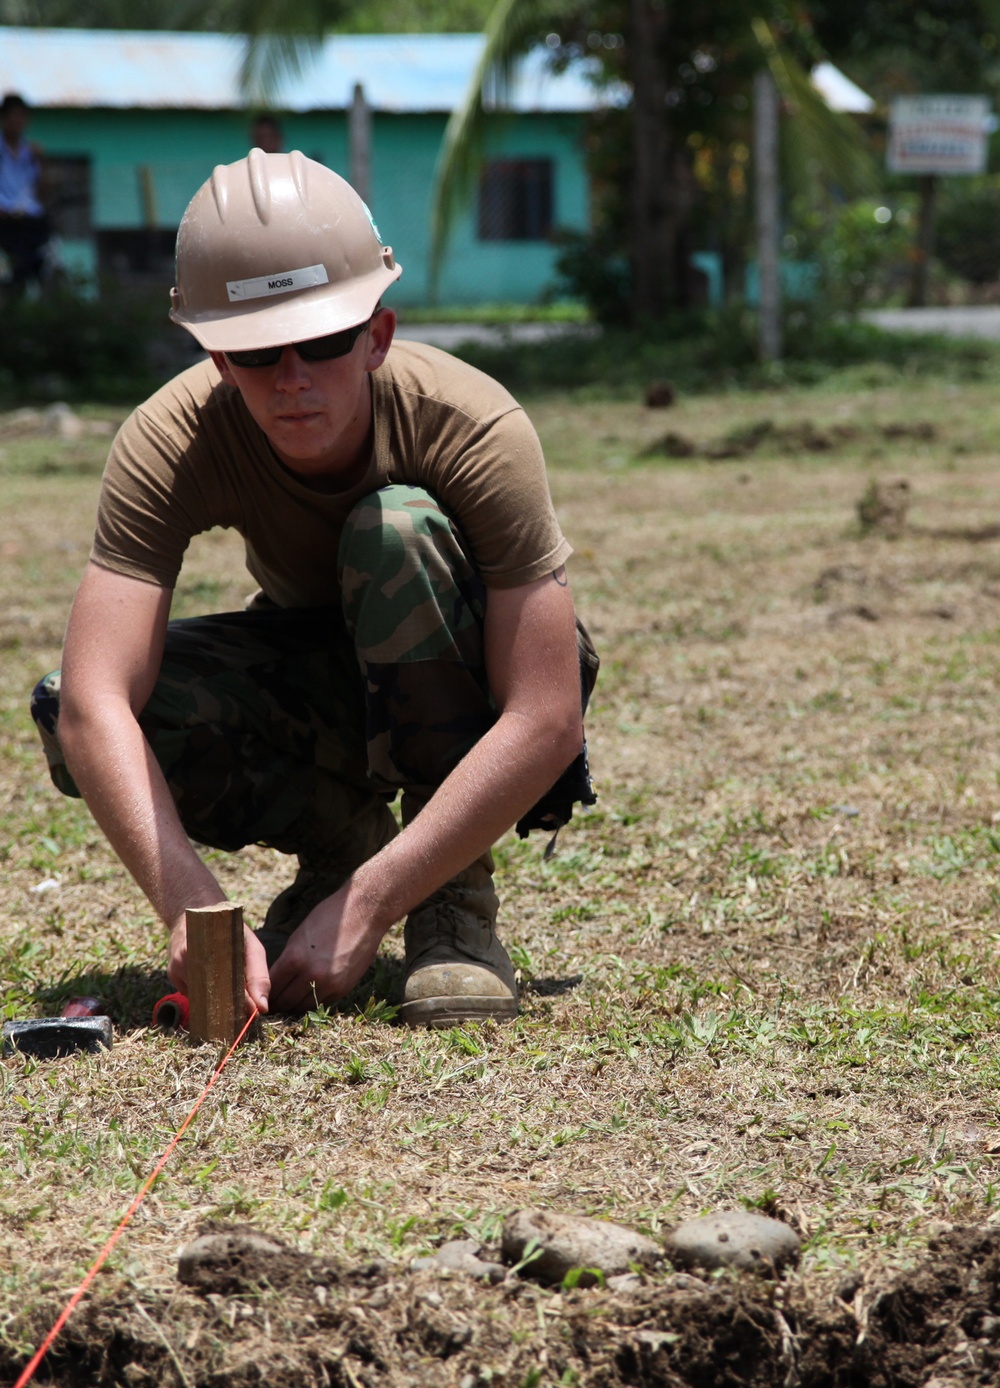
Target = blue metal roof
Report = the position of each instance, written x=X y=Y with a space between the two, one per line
x=154 y=69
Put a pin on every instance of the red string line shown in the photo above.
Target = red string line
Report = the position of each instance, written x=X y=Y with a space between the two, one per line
x=102 y=1257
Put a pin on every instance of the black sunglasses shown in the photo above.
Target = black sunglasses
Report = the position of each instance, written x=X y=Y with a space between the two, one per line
x=316 y=349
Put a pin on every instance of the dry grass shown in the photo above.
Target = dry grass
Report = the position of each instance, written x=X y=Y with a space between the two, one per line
x=763 y=970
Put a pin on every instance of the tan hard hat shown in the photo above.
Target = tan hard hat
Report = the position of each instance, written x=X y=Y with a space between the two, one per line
x=276 y=248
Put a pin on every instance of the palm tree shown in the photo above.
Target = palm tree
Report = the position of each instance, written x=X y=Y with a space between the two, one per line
x=668 y=55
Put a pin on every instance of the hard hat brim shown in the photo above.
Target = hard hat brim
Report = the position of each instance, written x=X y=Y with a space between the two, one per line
x=294 y=317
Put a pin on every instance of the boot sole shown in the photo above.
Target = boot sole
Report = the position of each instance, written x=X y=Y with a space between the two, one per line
x=449 y=1011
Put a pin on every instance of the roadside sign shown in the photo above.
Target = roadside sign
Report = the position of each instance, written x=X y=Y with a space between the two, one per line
x=938 y=134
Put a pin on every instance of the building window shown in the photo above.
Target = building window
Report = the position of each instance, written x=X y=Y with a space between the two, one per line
x=66 y=181
x=136 y=253
x=515 y=200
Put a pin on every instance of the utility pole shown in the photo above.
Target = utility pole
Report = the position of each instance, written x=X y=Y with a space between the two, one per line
x=765 y=150
x=924 y=248
x=360 y=130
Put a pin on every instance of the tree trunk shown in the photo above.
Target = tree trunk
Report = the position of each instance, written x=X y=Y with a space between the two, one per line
x=924 y=248
x=661 y=192
x=765 y=149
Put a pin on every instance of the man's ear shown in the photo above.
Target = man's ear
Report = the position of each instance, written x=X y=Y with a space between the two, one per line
x=383 y=325
x=222 y=366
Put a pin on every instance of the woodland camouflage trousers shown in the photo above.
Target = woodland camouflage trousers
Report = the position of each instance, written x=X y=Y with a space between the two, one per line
x=266 y=720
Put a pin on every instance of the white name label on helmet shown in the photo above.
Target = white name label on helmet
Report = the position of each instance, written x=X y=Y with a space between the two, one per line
x=281 y=283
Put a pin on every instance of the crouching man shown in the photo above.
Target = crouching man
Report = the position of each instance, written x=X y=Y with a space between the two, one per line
x=413 y=635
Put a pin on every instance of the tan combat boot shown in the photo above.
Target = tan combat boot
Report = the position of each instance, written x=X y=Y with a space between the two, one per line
x=343 y=830
x=456 y=968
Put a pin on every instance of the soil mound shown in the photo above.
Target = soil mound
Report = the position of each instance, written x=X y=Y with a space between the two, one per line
x=311 y=1323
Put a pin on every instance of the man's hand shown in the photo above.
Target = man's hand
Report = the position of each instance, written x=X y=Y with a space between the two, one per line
x=327 y=954
x=256 y=980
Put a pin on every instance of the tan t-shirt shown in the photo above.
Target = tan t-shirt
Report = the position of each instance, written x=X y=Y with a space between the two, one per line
x=192 y=458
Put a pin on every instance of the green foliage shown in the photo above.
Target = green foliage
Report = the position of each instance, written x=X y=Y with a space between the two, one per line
x=225 y=16
x=968 y=229
x=332 y=1197
x=709 y=351
x=896 y=46
x=863 y=254
x=115 y=14
x=419 y=17
x=378 y=1011
x=531 y=1252
x=587 y=1277
x=69 y=345
x=592 y=268
x=496 y=315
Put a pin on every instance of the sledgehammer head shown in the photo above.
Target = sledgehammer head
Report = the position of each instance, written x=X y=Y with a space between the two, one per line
x=48 y=1037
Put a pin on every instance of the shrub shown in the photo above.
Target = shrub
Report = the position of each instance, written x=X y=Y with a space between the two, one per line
x=72 y=344
x=592 y=268
x=864 y=254
x=713 y=350
x=968 y=229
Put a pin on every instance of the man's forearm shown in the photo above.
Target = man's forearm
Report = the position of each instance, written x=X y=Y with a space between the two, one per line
x=125 y=791
x=532 y=664
x=500 y=778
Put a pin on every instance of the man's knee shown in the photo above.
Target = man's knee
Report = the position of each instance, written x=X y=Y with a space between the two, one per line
x=409 y=505
x=409 y=587
x=396 y=534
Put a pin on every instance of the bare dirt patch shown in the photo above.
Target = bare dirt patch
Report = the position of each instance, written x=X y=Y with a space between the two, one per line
x=789 y=440
x=261 y=1317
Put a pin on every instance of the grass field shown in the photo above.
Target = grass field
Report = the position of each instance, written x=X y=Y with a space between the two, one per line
x=762 y=971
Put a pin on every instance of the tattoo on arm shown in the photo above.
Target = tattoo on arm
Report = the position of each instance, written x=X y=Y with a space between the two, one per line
x=560 y=576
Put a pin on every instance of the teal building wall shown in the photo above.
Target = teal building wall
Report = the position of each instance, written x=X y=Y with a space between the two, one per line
x=146 y=164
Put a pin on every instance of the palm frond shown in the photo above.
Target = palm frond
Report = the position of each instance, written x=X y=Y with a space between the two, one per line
x=512 y=29
x=281 y=41
x=816 y=138
x=269 y=62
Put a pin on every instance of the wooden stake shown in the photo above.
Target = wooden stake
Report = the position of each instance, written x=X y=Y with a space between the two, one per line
x=215 y=972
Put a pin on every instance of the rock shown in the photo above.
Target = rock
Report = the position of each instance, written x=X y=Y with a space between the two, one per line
x=734 y=1238
x=60 y=420
x=563 y=1242
x=235 y=1260
x=682 y=1282
x=624 y=1283
x=23 y=421
x=460 y=1255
